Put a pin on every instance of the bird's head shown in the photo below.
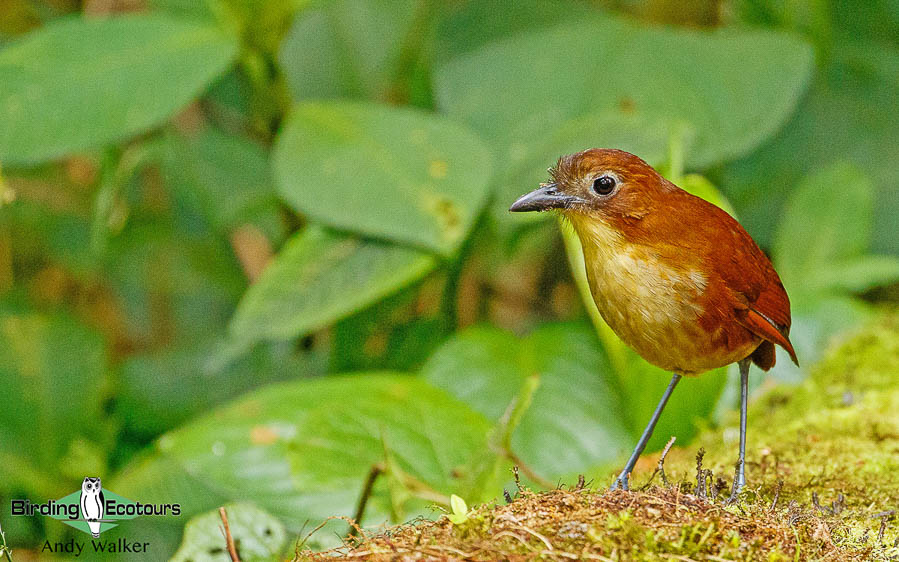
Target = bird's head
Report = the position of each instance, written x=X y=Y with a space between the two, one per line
x=600 y=183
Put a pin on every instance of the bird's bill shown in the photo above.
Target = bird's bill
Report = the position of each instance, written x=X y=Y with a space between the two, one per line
x=544 y=198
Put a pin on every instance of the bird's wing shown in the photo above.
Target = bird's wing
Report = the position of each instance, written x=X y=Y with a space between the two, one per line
x=102 y=502
x=760 y=300
x=742 y=273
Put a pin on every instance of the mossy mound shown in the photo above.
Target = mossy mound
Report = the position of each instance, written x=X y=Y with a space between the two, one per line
x=834 y=439
x=822 y=467
x=586 y=525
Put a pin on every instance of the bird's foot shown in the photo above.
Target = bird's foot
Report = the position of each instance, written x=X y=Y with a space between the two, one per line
x=734 y=496
x=739 y=484
x=620 y=483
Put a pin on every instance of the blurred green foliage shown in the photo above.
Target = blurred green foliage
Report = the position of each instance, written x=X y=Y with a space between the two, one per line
x=250 y=250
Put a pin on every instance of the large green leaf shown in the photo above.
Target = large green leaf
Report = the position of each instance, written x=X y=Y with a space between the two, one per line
x=256 y=534
x=401 y=174
x=320 y=277
x=732 y=90
x=822 y=243
x=160 y=390
x=827 y=219
x=52 y=377
x=302 y=450
x=735 y=89
x=575 y=421
x=346 y=48
x=153 y=267
x=78 y=84
x=225 y=178
x=849 y=115
x=821 y=251
x=471 y=24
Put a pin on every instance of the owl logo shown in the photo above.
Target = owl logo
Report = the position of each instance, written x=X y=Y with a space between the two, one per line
x=92 y=504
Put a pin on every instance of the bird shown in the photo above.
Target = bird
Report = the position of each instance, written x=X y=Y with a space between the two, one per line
x=92 y=504
x=677 y=278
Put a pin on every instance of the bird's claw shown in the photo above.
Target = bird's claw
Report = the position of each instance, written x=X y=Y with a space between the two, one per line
x=620 y=483
x=735 y=494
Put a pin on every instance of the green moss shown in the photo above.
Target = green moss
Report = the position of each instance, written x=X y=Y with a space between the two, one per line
x=836 y=435
x=823 y=473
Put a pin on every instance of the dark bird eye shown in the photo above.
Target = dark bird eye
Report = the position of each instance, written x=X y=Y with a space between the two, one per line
x=604 y=185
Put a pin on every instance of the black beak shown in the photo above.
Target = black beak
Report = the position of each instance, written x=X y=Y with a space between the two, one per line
x=544 y=198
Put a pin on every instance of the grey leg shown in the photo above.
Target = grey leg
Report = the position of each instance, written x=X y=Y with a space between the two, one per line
x=621 y=481
x=740 y=476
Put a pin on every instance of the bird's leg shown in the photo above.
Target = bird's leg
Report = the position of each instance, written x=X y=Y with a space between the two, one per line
x=621 y=481
x=740 y=476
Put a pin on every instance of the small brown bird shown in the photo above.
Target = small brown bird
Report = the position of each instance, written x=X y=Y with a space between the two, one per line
x=677 y=278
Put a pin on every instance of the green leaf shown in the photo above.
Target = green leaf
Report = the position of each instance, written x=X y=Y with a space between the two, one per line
x=460 y=510
x=158 y=391
x=827 y=219
x=858 y=274
x=391 y=334
x=402 y=174
x=430 y=435
x=346 y=48
x=257 y=535
x=320 y=277
x=225 y=177
x=195 y=279
x=735 y=89
x=301 y=450
x=151 y=477
x=700 y=186
x=52 y=376
x=472 y=24
x=849 y=115
x=77 y=84
x=575 y=420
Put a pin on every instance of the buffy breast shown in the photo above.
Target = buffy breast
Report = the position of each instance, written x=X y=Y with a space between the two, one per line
x=656 y=310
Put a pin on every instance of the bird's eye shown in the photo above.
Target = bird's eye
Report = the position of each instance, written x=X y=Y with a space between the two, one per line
x=603 y=185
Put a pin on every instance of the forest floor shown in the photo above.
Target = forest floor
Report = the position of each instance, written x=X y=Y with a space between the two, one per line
x=823 y=473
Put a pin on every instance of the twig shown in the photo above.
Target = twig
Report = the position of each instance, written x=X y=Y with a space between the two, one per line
x=581 y=482
x=838 y=504
x=715 y=485
x=660 y=467
x=884 y=516
x=534 y=533
x=543 y=482
x=229 y=540
x=780 y=485
x=517 y=477
x=376 y=470
x=700 y=473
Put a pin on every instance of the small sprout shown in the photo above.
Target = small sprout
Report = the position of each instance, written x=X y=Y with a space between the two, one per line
x=460 y=510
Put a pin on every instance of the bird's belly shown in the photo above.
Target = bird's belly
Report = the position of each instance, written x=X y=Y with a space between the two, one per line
x=655 y=309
